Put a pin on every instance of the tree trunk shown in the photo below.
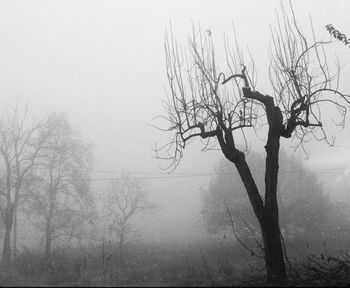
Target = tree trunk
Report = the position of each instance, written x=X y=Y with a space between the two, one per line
x=6 y=252
x=121 y=246
x=48 y=239
x=267 y=214
x=276 y=272
x=270 y=228
x=49 y=216
x=14 y=233
x=267 y=211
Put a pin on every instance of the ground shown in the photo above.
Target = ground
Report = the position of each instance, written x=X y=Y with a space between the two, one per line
x=160 y=264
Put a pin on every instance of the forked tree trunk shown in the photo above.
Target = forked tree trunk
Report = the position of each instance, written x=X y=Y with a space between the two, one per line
x=266 y=213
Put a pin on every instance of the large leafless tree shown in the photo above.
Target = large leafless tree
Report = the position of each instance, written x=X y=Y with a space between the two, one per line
x=21 y=144
x=217 y=105
x=59 y=194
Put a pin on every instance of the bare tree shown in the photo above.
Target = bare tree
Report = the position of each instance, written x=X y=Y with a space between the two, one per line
x=211 y=104
x=21 y=143
x=125 y=199
x=59 y=192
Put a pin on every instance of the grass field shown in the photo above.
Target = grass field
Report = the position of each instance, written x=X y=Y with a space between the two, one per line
x=167 y=264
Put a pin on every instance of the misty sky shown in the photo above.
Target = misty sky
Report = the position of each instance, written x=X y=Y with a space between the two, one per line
x=103 y=63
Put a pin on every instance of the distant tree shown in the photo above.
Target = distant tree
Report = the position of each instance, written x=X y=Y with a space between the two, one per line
x=211 y=103
x=338 y=35
x=59 y=193
x=21 y=144
x=339 y=187
x=125 y=199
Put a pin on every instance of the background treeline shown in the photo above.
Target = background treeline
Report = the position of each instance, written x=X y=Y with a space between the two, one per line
x=310 y=215
x=46 y=188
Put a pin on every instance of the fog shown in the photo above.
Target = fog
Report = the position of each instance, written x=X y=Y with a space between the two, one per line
x=103 y=64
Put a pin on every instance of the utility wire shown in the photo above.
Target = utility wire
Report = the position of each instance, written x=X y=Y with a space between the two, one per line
x=135 y=172
x=202 y=174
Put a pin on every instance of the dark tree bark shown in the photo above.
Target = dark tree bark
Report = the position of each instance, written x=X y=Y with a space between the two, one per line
x=270 y=223
x=267 y=214
x=269 y=220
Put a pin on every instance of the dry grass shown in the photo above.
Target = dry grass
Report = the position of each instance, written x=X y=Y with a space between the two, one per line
x=168 y=265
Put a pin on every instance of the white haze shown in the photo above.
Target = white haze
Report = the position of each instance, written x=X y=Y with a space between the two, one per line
x=103 y=63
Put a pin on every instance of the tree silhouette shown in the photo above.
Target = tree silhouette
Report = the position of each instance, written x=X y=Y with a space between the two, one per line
x=21 y=145
x=125 y=199
x=59 y=193
x=209 y=103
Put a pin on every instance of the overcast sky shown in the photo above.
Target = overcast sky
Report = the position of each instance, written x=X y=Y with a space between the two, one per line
x=102 y=62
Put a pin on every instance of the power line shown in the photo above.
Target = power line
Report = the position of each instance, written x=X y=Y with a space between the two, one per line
x=158 y=177
x=145 y=173
x=126 y=172
x=202 y=174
